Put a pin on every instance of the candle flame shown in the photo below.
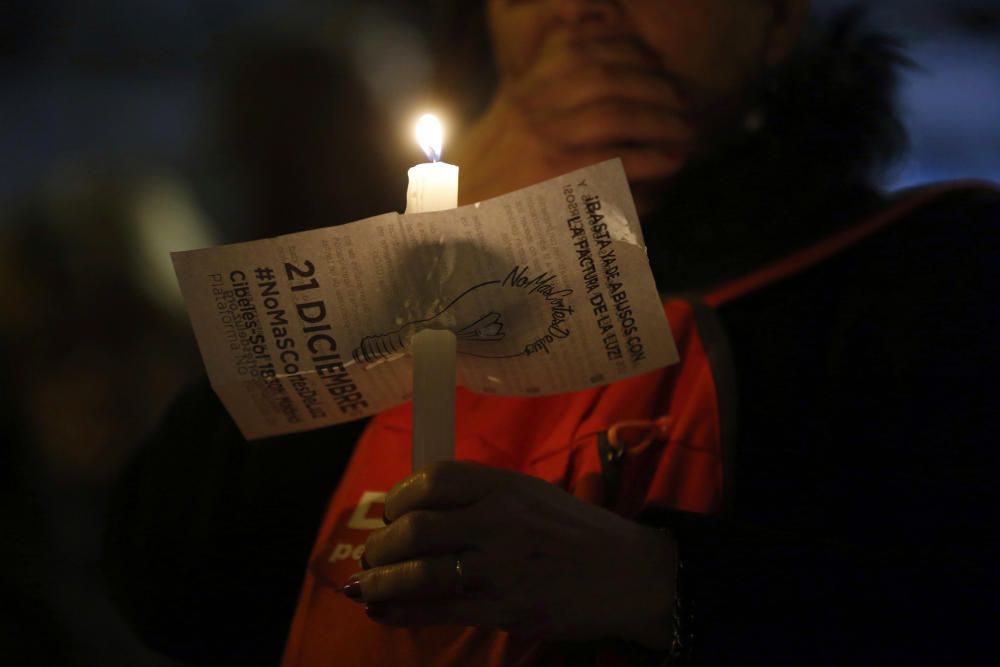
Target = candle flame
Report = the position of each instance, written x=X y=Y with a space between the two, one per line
x=430 y=136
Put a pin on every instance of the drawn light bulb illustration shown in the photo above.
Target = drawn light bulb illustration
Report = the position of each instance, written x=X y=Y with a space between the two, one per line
x=469 y=322
x=495 y=319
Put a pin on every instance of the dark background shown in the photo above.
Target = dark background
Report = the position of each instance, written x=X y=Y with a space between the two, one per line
x=121 y=125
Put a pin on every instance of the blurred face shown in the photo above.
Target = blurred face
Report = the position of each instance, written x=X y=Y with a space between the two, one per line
x=654 y=81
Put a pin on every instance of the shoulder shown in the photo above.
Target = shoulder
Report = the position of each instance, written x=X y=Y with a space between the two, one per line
x=933 y=265
x=900 y=314
x=958 y=215
x=928 y=238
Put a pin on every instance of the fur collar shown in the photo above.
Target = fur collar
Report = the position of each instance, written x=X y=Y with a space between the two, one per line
x=829 y=128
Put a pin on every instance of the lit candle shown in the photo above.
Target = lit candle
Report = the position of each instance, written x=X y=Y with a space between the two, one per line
x=433 y=187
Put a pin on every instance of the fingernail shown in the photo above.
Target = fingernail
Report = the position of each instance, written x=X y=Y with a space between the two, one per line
x=352 y=590
x=375 y=610
x=364 y=563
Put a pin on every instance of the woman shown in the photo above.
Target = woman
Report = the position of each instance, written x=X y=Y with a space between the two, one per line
x=795 y=537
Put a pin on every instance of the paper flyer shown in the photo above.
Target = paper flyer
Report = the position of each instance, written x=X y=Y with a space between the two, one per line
x=548 y=290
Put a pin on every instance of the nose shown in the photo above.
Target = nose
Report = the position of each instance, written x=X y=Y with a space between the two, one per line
x=588 y=11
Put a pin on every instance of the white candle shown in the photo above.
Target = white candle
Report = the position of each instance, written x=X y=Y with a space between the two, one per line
x=433 y=187
x=433 y=396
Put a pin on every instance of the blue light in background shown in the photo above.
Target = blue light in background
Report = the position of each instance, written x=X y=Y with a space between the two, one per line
x=952 y=111
x=951 y=101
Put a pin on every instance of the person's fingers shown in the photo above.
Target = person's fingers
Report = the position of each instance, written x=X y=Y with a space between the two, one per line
x=420 y=533
x=568 y=76
x=615 y=123
x=596 y=83
x=643 y=164
x=444 y=485
x=447 y=576
x=564 y=53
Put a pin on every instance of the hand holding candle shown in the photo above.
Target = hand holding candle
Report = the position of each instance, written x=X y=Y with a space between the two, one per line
x=433 y=187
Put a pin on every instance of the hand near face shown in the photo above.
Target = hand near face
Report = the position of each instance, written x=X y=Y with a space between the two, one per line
x=576 y=103
x=534 y=560
x=650 y=81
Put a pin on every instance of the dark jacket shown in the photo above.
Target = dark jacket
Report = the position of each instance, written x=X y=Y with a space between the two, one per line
x=861 y=510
